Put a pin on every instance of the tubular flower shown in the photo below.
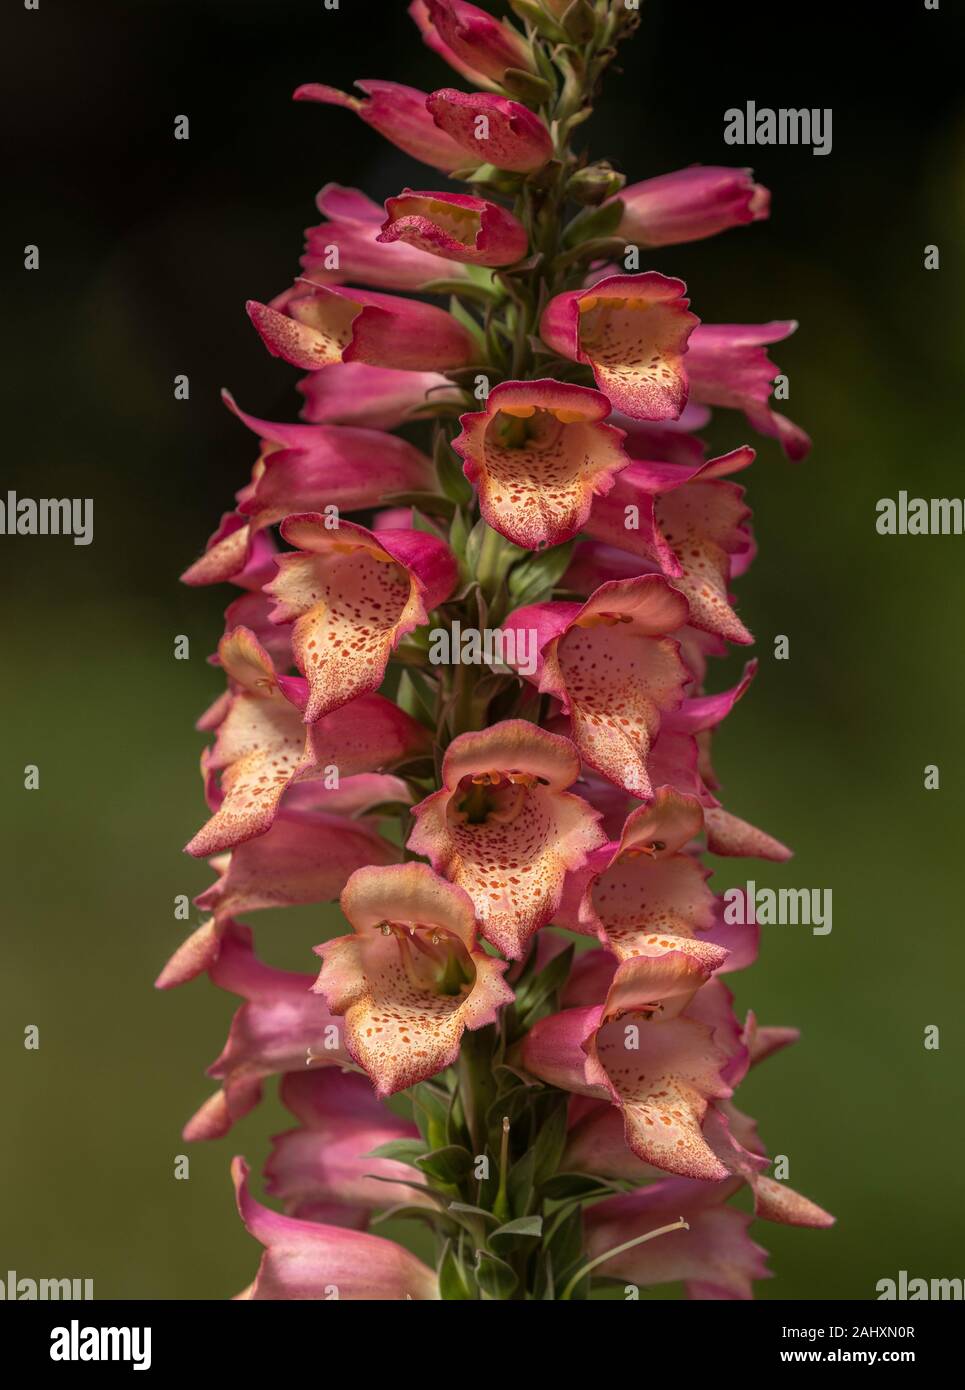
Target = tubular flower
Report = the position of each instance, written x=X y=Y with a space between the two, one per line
x=322 y=325
x=714 y=1257
x=352 y=597
x=728 y=365
x=688 y=522
x=633 y=331
x=455 y=227
x=643 y=896
x=412 y=978
x=325 y=1169
x=352 y=393
x=308 y=1259
x=347 y=247
x=262 y=746
x=690 y=204
x=470 y=40
x=538 y=454
x=504 y=828
x=659 y=1064
x=466 y=694
x=614 y=670
x=281 y=1027
x=398 y=113
x=492 y=129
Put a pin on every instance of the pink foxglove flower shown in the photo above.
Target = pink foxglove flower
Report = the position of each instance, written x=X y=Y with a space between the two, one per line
x=322 y=325
x=468 y=695
x=728 y=365
x=492 y=129
x=413 y=978
x=349 y=248
x=613 y=668
x=538 y=454
x=352 y=393
x=633 y=331
x=397 y=112
x=454 y=226
x=472 y=41
x=352 y=596
x=312 y=1260
x=690 y=204
x=505 y=828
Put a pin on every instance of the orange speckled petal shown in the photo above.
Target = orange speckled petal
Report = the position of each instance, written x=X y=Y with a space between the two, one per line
x=702 y=523
x=410 y=981
x=538 y=454
x=647 y=908
x=615 y=680
x=350 y=602
x=663 y=1085
x=512 y=862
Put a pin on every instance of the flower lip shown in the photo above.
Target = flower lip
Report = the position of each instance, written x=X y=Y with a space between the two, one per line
x=633 y=331
x=455 y=226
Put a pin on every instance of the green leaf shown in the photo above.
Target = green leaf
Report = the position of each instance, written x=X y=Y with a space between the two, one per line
x=541 y=991
x=494 y=1276
x=480 y=294
x=455 y=1284
x=514 y=1233
x=429 y=503
x=462 y=315
x=550 y=1143
x=430 y=1109
x=402 y=1150
x=566 y=1186
x=409 y=699
x=534 y=579
x=470 y=1210
x=521 y=1184
x=458 y=534
x=449 y=1164
x=453 y=482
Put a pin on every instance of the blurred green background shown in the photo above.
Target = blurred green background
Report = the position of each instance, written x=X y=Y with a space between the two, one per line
x=149 y=247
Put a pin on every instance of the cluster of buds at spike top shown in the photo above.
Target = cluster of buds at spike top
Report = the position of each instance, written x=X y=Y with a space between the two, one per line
x=533 y=959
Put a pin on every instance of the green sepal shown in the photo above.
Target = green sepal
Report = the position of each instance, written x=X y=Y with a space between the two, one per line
x=594 y=223
x=533 y=13
x=526 y=86
x=580 y=22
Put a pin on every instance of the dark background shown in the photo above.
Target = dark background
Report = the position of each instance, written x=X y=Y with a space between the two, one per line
x=149 y=247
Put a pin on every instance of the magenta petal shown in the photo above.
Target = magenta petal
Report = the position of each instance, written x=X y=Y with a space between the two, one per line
x=308 y=1260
